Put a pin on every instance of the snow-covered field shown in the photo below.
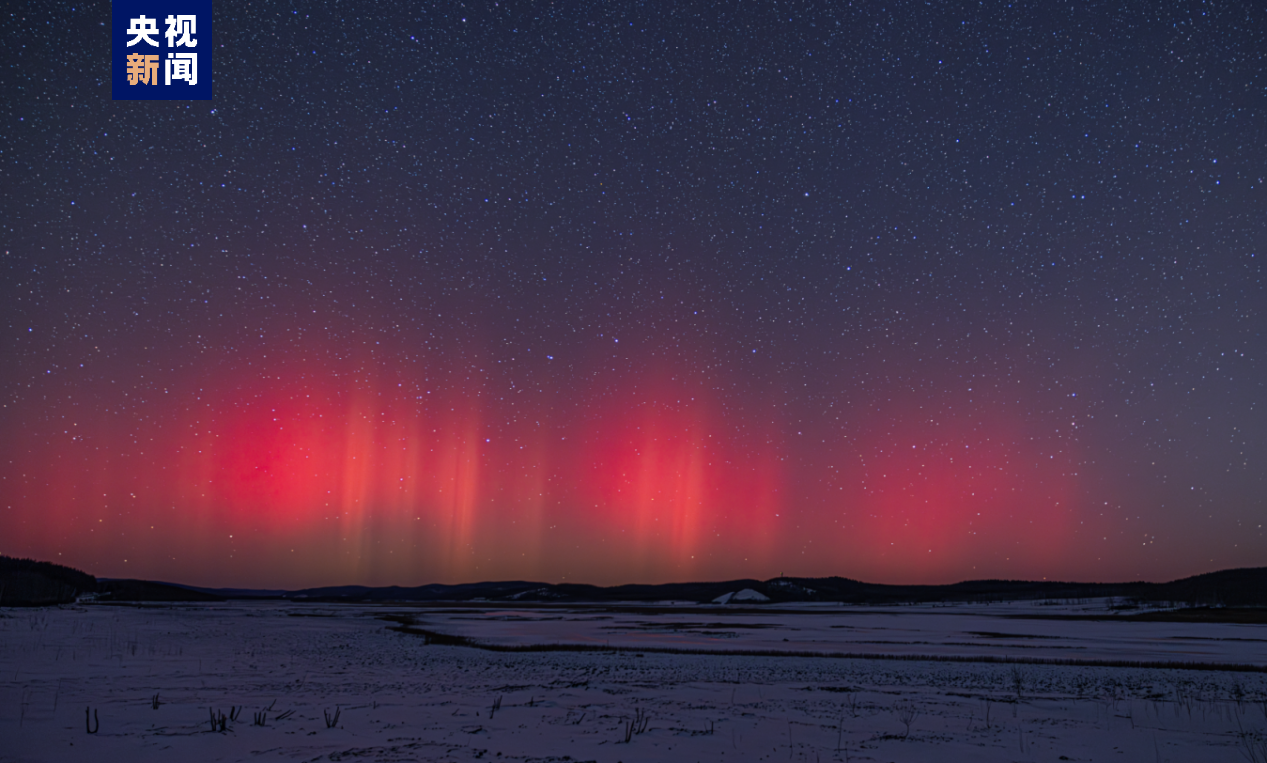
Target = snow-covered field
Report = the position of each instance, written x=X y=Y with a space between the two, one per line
x=1017 y=630
x=399 y=698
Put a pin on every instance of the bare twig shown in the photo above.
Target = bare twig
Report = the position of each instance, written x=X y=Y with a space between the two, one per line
x=637 y=726
x=1019 y=679
x=906 y=713
x=219 y=721
x=1254 y=747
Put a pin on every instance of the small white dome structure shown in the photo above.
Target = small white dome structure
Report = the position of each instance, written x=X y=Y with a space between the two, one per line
x=747 y=594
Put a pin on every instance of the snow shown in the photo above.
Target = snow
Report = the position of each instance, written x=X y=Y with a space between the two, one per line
x=746 y=594
x=400 y=698
x=1011 y=630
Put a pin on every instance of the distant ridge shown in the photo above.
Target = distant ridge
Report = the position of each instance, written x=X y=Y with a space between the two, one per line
x=30 y=583
x=1245 y=587
x=26 y=582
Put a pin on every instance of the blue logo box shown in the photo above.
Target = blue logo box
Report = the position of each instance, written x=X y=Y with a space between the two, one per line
x=160 y=51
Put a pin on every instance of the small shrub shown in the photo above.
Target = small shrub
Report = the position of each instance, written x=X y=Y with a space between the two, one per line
x=906 y=713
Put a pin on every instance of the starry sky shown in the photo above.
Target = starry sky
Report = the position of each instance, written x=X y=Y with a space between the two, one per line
x=640 y=292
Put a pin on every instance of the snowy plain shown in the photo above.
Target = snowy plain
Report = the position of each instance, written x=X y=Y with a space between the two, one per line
x=155 y=679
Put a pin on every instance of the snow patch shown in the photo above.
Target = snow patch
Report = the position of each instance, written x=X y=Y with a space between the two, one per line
x=746 y=594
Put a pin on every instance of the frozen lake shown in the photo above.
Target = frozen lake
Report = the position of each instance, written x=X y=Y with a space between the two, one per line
x=1023 y=631
x=398 y=698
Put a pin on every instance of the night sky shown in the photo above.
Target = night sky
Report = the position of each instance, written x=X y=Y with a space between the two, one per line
x=607 y=293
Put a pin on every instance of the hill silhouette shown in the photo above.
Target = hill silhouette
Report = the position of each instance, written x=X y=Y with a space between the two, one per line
x=31 y=583
x=1227 y=588
x=26 y=582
